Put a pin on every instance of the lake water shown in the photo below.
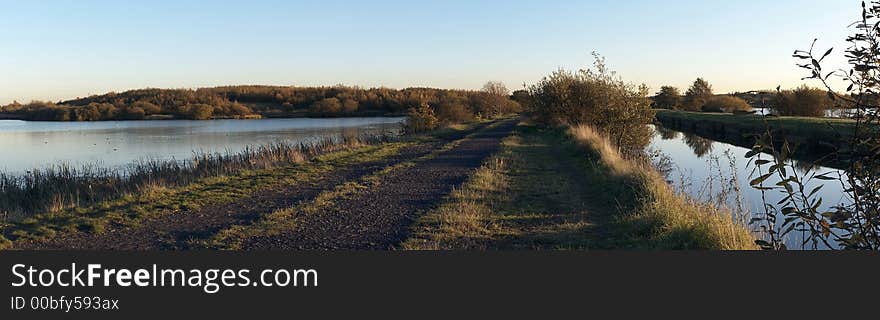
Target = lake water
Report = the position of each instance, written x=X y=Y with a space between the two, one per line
x=26 y=145
x=702 y=168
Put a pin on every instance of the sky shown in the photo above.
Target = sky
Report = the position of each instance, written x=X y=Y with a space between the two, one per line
x=55 y=50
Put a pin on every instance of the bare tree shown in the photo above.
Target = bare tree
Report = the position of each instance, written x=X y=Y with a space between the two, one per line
x=496 y=88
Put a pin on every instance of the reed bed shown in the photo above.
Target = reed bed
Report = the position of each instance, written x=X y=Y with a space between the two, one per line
x=63 y=186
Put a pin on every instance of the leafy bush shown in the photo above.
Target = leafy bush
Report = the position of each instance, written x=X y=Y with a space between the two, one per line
x=600 y=99
x=668 y=98
x=132 y=113
x=148 y=107
x=849 y=221
x=420 y=119
x=726 y=104
x=327 y=106
x=453 y=112
x=201 y=112
x=349 y=105
x=803 y=101
x=697 y=95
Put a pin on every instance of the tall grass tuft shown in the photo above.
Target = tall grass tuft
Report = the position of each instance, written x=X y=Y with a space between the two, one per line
x=64 y=186
x=664 y=218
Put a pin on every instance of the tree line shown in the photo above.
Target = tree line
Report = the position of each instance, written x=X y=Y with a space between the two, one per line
x=802 y=101
x=268 y=101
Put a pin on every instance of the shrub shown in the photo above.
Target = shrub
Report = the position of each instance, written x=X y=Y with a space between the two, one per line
x=421 y=119
x=87 y=113
x=621 y=111
x=697 y=95
x=326 y=106
x=668 y=98
x=349 y=106
x=726 y=104
x=148 y=107
x=132 y=113
x=803 y=101
x=453 y=112
x=201 y=112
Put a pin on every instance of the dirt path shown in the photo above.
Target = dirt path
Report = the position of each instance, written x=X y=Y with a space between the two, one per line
x=188 y=228
x=379 y=216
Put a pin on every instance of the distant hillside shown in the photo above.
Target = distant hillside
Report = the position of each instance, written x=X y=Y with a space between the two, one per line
x=267 y=101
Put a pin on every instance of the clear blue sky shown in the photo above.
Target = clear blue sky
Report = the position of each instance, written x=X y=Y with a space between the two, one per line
x=64 y=49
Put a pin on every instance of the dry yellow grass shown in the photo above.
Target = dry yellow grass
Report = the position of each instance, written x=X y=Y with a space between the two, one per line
x=668 y=220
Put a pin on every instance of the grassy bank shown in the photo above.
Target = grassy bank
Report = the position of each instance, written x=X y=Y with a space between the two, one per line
x=551 y=189
x=824 y=141
x=829 y=130
x=657 y=216
x=62 y=187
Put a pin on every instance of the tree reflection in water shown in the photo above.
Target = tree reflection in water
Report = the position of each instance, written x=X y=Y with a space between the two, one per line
x=666 y=134
x=700 y=145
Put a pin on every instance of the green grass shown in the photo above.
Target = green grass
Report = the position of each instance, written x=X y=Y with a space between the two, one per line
x=795 y=126
x=552 y=189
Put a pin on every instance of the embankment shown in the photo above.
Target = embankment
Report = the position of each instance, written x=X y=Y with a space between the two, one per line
x=813 y=138
x=656 y=216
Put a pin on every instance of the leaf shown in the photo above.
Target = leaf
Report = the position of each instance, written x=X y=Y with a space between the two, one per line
x=764 y=244
x=825 y=177
x=816 y=189
x=760 y=179
x=827 y=53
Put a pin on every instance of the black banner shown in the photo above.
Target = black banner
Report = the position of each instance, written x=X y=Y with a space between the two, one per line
x=421 y=284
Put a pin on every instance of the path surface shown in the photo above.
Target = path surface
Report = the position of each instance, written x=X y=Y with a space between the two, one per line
x=376 y=218
x=379 y=217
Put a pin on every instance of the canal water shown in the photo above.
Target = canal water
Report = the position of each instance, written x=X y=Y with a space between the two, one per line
x=720 y=173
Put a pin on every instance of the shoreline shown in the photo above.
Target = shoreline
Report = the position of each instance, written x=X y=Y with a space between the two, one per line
x=7 y=116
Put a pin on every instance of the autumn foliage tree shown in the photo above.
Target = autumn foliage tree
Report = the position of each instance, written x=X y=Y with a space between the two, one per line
x=668 y=98
x=697 y=95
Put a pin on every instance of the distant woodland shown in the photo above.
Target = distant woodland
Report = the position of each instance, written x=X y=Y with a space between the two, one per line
x=242 y=102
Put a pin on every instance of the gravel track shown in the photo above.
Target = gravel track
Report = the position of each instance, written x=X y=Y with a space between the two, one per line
x=378 y=218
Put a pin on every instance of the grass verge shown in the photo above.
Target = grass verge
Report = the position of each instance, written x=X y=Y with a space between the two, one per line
x=656 y=216
x=551 y=189
x=284 y=220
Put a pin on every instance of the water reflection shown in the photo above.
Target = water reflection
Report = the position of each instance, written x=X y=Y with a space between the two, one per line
x=701 y=146
x=28 y=145
x=667 y=134
x=702 y=168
